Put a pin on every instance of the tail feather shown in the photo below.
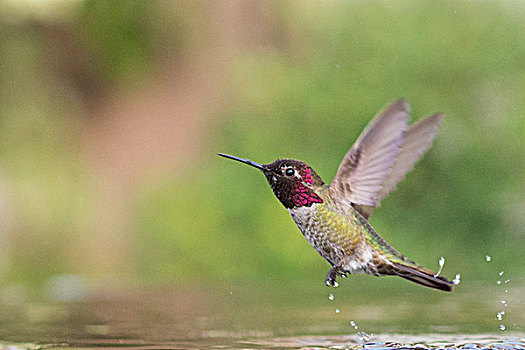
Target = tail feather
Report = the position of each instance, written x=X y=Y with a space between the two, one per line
x=422 y=276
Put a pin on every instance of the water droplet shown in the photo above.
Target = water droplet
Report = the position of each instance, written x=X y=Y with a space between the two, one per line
x=501 y=273
x=363 y=336
x=441 y=264
x=457 y=279
x=502 y=327
x=337 y=311
x=488 y=258
x=499 y=315
x=331 y=297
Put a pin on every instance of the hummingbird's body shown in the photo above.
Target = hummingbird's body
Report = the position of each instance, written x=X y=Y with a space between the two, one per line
x=333 y=218
x=345 y=239
x=336 y=233
x=339 y=234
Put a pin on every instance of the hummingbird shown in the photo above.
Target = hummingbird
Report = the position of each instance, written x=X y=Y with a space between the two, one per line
x=334 y=217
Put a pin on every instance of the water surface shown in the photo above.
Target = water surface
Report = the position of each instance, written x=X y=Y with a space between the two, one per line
x=358 y=314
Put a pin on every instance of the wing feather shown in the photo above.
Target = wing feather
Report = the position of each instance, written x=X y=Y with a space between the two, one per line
x=367 y=164
x=417 y=141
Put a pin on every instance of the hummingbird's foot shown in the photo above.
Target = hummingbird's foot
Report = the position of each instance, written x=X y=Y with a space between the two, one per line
x=331 y=276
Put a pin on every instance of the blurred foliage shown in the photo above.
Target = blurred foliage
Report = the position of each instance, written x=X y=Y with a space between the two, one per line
x=306 y=96
x=119 y=35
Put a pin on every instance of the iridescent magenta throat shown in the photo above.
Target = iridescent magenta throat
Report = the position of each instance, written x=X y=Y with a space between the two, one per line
x=303 y=196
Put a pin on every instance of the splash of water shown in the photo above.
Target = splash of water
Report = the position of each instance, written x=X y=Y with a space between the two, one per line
x=363 y=337
x=441 y=264
x=499 y=315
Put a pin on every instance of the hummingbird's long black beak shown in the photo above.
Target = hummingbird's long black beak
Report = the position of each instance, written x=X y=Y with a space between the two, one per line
x=243 y=160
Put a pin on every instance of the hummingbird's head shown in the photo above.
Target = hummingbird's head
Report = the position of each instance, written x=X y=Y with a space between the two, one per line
x=293 y=182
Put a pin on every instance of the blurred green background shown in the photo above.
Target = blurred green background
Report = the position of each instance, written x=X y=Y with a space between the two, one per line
x=112 y=114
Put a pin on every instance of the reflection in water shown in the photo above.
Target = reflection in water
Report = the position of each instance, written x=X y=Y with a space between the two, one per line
x=229 y=341
x=264 y=316
x=427 y=341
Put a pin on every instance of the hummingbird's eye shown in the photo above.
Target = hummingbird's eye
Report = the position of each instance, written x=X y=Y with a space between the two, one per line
x=289 y=172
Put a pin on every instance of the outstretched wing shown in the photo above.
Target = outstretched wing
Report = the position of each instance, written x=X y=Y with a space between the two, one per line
x=417 y=140
x=366 y=166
